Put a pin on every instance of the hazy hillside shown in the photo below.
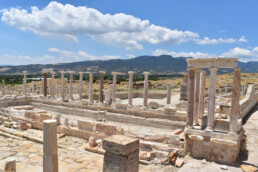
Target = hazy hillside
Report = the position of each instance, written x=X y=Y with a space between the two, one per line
x=163 y=64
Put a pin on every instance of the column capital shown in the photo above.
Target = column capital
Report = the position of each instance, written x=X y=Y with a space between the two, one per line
x=237 y=69
x=146 y=73
x=213 y=69
x=130 y=72
x=102 y=72
x=62 y=72
x=114 y=73
x=24 y=71
x=71 y=72
x=52 y=72
x=81 y=72
x=197 y=70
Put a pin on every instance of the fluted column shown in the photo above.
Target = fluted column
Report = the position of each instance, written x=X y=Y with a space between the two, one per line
x=212 y=96
x=202 y=93
x=25 y=83
x=52 y=88
x=90 y=87
x=62 y=85
x=196 y=96
x=114 y=88
x=101 y=86
x=71 y=86
x=81 y=85
x=145 y=93
x=130 y=92
x=234 y=112
x=190 y=97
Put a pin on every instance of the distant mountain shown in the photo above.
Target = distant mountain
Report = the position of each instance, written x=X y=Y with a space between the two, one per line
x=164 y=64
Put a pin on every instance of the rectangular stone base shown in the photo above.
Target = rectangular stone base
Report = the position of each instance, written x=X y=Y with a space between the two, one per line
x=119 y=163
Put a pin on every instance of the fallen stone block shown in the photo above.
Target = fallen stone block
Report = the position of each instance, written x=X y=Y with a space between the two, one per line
x=161 y=154
x=179 y=162
x=108 y=129
x=43 y=117
x=153 y=105
x=7 y=124
x=92 y=141
x=24 y=126
x=86 y=125
x=145 y=155
x=24 y=107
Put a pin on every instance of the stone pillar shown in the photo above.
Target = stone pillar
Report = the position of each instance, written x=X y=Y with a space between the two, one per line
x=32 y=87
x=3 y=89
x=45 y=84
x=101 y=86
x=234 y=112
x=114 y=88
x=52 y=87
x=25 y=83
x=212 y=96
x=15 y=90
x=226 y=89
x=122 y=154
x=190 y=97
x=10 y=165
x=145 y=92
x=62 y=85
x=50 y=157
x=90 y=87
x=81 y=85
x=184 y=88
x=168 y=94
x=202 y=93
x=196 y=96
x=71 y=86
x=130 y=92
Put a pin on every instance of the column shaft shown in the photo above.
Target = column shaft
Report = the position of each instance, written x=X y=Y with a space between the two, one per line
x=45 y=84
x=130 y=92
x=190 y=97
x=101 y=86
x=145 y=93
x=90 y=87
x=168 y=94
x=196 y=96
x=52 y=88
x=202 y=93
x=62 y=85
x=71 y=86
x=25 y=83
x=234 y=112
x=212 y=97
x=114 y=88
x=81 y=85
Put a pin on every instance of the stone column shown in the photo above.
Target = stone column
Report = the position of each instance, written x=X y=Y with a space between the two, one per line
x=32 y=87
x=50 y=157
x=114 y=88
x=196 y=96
x=15 y=90
x=212 y=96
x=10 y=165
x=202 y=93
x=45 y=84
x=81 y=85
x=168 y=94
x=145 y=92
x=122 y=154
x=62 y=85
x=90 y=87
x=71 y=86
x=226 y=89
x=101 y=86
x=3 y=89
x=190 y=97
x=52 y=88
x=130 y=92
x=234 y=112
x=25 y=83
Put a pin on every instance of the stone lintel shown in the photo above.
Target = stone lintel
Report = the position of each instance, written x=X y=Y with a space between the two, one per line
x=219 y=62
x=223 y=142
x=119 y=144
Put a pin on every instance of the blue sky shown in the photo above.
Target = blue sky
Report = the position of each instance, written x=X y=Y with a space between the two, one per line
x=65 y=31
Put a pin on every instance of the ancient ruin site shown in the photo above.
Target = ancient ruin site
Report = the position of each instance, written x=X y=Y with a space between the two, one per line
x=62 y=124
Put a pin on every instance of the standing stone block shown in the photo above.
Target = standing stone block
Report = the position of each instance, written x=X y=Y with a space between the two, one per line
x=50 y=157
x=10 y=165
x=122 y=154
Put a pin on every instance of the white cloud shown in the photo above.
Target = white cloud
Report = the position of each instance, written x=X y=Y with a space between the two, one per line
x=243 y=54
x=207 y=40
x=68 y=22
x=131 y=56
x=159 y=52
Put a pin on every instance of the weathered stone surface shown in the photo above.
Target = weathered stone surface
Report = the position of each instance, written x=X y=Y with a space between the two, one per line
x=7 y=124
x=121 y=145
x=44 y=117
x=153 y=105
x=179 y=162
x=108 y=129
x=92 y=141
x=248 y=168
x=10 y=165
x=86 y=125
